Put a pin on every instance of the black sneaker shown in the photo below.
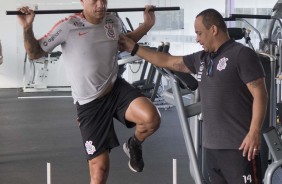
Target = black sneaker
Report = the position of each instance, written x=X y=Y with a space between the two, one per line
x=134 y=152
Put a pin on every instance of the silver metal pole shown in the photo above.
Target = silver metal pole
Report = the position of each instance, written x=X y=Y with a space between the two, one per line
x=186 y=130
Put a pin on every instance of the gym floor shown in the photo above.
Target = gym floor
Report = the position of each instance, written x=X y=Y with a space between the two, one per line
x=34 y=131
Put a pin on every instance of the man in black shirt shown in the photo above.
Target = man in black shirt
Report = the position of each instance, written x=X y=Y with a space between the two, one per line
x=233 y=97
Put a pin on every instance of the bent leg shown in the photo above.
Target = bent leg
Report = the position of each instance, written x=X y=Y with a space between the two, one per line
x=99 y=168
x=145 y=115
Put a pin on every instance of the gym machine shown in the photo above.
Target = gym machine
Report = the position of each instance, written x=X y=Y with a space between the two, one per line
x=35 y=78
x=149 y=85
x=272 y=137
x=269 y=53
x=184 y=85
x=150 y=81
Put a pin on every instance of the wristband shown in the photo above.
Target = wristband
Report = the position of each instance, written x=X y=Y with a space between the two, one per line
x=135 y=49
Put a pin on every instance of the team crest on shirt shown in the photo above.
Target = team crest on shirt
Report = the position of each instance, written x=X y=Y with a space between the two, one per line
x=90 y=148
x=110 y=31
x=222 y=63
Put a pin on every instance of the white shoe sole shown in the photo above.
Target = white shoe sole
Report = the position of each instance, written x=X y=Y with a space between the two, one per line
x=126 y=151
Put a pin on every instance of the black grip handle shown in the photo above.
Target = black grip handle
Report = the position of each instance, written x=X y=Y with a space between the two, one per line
x=248 y=16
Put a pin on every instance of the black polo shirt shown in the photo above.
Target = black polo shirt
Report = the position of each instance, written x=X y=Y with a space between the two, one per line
x=225 y=99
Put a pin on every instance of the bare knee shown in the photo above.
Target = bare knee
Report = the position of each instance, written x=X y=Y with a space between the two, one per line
x=151 y=121
x=99 y=168
x=146 y=116
x=155 y=120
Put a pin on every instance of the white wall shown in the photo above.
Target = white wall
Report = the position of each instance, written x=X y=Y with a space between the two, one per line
x=11 y=71
x=8 y=70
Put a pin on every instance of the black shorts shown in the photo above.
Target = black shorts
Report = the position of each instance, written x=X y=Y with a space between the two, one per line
x=229 y=166
x=96 y=118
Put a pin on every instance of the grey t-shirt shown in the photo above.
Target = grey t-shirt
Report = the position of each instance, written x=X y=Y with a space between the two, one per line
x=225 y=99
x=89 y=52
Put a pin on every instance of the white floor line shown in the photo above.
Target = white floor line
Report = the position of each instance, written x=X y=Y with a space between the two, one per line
x=34 y=97
x=48 y=173
x=174 y=172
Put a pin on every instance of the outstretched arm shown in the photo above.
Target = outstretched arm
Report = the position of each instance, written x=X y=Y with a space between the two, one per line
x=159 y=59
x=31 y=44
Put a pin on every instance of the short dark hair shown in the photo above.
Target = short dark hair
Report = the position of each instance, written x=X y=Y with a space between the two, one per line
x=213 y=17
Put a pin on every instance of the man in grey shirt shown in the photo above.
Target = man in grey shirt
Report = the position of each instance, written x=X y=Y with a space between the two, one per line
x=89 y=42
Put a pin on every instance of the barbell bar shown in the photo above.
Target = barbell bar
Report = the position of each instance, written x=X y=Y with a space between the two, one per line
x=108 y=10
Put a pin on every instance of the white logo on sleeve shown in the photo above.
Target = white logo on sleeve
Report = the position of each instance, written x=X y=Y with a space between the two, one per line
x=90 y=148
x=222 y=63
